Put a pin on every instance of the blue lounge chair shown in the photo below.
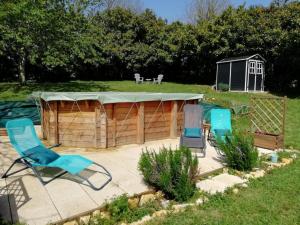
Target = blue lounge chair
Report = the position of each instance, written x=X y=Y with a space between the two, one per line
x=220 y=122
x=33 y=154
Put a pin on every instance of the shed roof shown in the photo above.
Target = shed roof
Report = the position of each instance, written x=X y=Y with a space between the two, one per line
x=114 y=97
x=241 y=58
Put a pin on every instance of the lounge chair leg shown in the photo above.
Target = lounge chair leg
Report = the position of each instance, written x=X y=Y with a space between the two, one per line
x=19 y=160
x=37 y=174
x=103 y=185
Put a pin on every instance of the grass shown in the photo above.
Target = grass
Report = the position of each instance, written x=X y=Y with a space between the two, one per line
x=273 y=199
x=13 y=91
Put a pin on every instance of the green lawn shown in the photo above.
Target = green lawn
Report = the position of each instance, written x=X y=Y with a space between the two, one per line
x=13 y=91
x=274 y=199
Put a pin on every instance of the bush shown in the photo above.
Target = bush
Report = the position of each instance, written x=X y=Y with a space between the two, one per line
x=223 y=87
x=240 y=153
x=172 y=171
x=120 y=211
x=119 y=208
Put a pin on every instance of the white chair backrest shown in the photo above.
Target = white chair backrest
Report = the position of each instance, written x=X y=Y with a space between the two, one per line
x=137 y=75
x=160 y=77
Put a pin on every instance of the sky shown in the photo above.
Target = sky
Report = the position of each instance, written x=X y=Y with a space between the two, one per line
x=176 y=9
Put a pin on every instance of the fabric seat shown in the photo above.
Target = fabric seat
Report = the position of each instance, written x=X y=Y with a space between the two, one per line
x=220 y=125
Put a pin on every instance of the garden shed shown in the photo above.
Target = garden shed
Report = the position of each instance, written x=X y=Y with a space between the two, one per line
x=245 y=73
x=108 y=119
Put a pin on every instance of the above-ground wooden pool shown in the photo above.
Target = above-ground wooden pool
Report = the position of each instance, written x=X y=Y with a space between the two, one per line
x=108 y=119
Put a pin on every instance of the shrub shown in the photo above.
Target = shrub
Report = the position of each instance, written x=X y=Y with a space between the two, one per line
x=119 y=208
x=120 y=212
x=283 y=154
x=240 y=153
x=223 y=87
x=172 y=171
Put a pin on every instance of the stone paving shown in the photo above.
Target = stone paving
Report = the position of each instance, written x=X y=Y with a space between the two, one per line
x=219 y=183
x=23 y=198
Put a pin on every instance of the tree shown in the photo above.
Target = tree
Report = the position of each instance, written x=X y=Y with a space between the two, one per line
x=134 y=5
x=199 y=10
x=21 y=23
x=43 y=35
x=279 y=3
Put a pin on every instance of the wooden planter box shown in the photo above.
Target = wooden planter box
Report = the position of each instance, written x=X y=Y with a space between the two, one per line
x=3 y=132
x=269 y=141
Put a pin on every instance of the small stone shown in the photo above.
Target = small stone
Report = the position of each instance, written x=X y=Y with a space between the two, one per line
x=73 y=222
x=84 y=220
x=205 y=199
x=200 y=201
x=105 y=215
x=146 y=218
x=165 y=203
x=244 y=185
x=225 y=170
x=159 y=195
x=274 y=165
x=133 y=203
x=286 y=160
x=96 y=213
x=142 y=221
x=235 y=191
x=248 y=176
x=180 y=207
x=294 y=156
x=258 y=173
x=160 y=213
x=146 y=198
x=238 y=173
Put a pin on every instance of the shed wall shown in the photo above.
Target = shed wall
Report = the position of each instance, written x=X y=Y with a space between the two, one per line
x=223 y=74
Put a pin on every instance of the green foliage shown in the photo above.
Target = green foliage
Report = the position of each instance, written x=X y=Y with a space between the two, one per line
x=273 y=199
x=172 y=171
x=240 y=153
x=57 y=40
x=120 y=212
x=119 y=208
x=223 y=87
x=284 y=154
x=3 y=222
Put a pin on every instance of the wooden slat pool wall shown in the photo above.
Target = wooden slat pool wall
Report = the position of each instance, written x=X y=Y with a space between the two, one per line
x=92 y=125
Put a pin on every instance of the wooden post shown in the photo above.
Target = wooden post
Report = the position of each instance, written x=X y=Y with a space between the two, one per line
x=97 y=126
x=55 y=123
x=114 y=125
x=42 y=111
x=103 y=130
x=283 y=122
x=173 y=125
x=140 y=138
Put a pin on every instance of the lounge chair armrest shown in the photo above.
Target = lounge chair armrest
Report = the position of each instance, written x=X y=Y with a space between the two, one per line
x=53 y=146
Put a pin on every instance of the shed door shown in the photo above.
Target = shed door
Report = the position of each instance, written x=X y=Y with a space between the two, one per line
x=251 y=82
x=237 y=81
x=255 y=77
x=259 y=76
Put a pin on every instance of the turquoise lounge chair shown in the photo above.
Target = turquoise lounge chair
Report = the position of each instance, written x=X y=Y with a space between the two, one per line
x=220 y=125
x=34 y=154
